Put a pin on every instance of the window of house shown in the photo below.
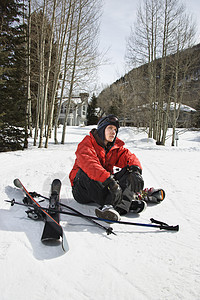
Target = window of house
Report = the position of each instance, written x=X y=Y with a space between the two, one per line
x=84 y=110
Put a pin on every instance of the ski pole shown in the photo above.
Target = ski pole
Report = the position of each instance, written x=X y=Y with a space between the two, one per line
x=108 y=230
x=162 y=225
x=159 y=224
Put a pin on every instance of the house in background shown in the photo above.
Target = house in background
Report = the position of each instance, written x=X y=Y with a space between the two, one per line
x=185 y=117
x=139 y=116
x=78 y=110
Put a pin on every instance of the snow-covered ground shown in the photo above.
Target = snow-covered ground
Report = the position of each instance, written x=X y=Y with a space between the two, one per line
x=140 y=263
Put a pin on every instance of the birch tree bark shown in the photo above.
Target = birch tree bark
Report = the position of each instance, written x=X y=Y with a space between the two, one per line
x=84 y=49
x=160 y=25
x=71 y=7
x=73 y=71
x=29 y=69
x=60 y=50
x=180 y=65
x=47 y=76
x=28 y=122
x=41 y=99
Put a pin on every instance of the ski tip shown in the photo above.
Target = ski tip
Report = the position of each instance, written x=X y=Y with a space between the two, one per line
x=17 y=183
x=56 y=181
x=65 y=245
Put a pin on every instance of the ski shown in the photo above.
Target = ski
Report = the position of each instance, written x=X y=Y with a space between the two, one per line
x=56 y=228
x=48 y=233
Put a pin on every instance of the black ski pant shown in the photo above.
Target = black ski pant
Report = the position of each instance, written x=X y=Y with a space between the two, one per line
x=86 y=190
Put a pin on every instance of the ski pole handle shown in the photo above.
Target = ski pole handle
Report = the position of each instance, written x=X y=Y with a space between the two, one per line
x=165 y=225
x=173 y=228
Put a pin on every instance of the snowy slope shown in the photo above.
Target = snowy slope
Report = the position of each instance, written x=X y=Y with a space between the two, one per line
x=139 y=263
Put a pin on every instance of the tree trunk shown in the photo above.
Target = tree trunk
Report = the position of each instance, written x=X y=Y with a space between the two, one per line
x=41 y=83
x=65 y=70
x=47 y=76
x=57 y=73
x=73 y=73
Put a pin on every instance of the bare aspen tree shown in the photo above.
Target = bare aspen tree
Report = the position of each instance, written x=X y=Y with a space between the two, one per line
x=73 y=69
x=44 y=39
x=169 y=11
x=29 y=69
x=172 y=11
x=66 y=54
x=28 y=124
x=84 y=51
x=71 y=8
x=39 y=37
x=180 y=64
x=63 y=30
x=47 y=76
x=142 y=48
x=41 y=82
x=160 y=26
x=43 y=43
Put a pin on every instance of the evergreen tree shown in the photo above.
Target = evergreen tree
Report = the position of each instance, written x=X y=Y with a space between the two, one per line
x=92 y=118
x=113 y=110
x=12 y=75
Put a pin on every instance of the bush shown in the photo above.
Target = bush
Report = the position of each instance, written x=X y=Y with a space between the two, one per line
x=11 y=138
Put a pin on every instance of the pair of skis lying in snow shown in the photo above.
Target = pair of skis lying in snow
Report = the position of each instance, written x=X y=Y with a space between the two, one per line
x=53 y=231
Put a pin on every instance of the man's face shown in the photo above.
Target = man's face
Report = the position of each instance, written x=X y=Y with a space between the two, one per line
x=110 y=133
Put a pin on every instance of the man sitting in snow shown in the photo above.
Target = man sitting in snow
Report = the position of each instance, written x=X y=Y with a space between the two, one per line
x=92 y=177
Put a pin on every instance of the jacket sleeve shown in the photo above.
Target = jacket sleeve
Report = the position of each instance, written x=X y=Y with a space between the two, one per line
x=88 y=161
x=125 y=157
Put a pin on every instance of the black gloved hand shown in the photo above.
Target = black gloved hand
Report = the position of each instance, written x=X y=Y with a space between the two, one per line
x=114 y=189
x=136 y=180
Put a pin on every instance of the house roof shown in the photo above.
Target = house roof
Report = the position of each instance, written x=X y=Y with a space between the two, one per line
x=183 y=107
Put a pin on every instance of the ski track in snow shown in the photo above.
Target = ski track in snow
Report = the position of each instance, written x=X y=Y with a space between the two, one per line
x=139 y=263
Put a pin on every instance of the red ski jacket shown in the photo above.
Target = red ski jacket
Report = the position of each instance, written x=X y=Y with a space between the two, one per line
x=97 y=163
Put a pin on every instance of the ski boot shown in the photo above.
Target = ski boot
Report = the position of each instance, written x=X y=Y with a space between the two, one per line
x=152 y=195
x=137 y=206
x=107 y=212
